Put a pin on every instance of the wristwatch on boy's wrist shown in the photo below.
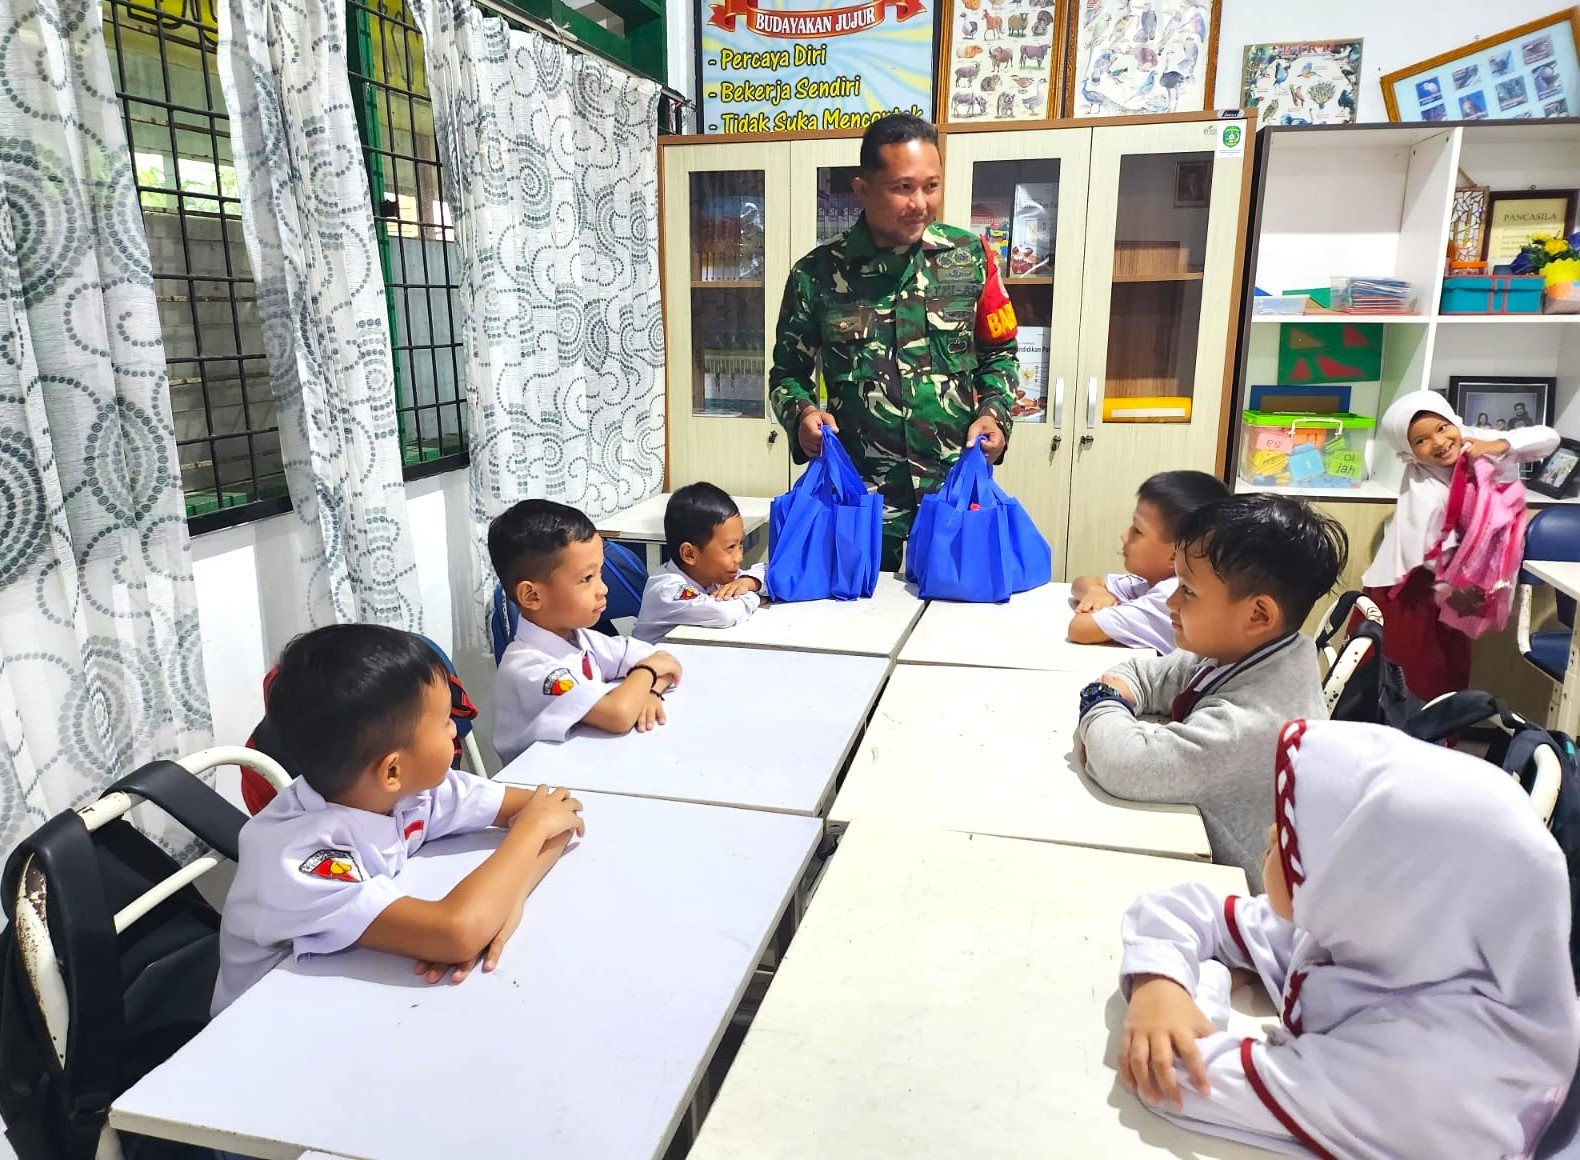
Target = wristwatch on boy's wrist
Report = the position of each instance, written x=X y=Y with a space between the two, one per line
x=1096 y=693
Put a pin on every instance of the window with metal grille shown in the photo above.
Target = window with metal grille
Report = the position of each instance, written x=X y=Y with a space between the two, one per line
x=162 y=57
x=416 y=242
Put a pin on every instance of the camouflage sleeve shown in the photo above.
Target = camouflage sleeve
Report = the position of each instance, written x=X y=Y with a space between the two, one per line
x=997 y=372
x=792 y=383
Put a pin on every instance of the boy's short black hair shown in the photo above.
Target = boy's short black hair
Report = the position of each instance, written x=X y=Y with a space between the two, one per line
x=525 y=542
x=1268 y=543
x=895 y=129
x=1175 y=494
x=692 y=514
x=344 y=696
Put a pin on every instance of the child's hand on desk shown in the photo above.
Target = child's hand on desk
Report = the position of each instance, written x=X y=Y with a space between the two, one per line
x=1163 y=1021
x=667 y=668
x=738 y=587
x=553 y=811
x=1095 y=599
x=651 y=714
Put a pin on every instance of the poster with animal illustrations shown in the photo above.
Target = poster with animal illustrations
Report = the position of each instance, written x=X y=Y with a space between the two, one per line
x=1141 y=56
x=1311 y=83
x=1002 y=60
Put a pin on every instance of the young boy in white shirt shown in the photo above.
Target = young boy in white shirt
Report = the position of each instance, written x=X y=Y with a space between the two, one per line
x=361 y=714
x=702 y=584
x=556 y=674
x=1131 y=607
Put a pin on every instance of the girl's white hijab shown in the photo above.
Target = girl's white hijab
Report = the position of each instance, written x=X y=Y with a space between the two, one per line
x=1423 y=493
x=1430 y=990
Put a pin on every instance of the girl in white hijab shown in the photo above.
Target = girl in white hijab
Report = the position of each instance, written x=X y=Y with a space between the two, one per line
x=1426 y=434
x=1414 y=936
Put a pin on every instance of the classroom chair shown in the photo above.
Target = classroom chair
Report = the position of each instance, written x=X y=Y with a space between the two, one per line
x=111 y=956
x=1552 y=534
x=623 y=573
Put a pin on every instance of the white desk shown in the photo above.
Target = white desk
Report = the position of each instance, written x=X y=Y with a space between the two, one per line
x=1028 y=632
x=875 y=627
x=760 y=729
x=643 y=523
x=951 y=996
x=587 y=1041
x=990 y=751
x=1564 y=576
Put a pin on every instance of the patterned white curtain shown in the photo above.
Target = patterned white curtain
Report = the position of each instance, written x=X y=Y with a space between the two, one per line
x=101 y=668
x=551 y=169
x=308 y=219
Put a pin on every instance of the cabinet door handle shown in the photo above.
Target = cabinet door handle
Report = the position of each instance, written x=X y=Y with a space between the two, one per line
x=1091 y=403
x=1088 y=440
x=1053 y=447
x=773 y=436
x=1058 y=404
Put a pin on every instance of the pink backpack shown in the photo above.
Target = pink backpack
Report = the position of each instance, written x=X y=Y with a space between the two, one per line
x=1477 y=557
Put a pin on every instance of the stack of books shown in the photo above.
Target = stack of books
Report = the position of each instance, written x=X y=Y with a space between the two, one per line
x=1372 y=296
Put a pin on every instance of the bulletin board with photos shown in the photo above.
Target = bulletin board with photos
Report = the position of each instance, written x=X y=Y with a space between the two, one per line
x=1528 y=72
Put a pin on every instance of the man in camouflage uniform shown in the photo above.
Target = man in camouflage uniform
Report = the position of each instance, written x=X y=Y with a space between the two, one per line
x=909 y=324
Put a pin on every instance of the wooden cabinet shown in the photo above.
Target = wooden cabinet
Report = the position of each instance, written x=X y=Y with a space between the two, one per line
x=1125 y=328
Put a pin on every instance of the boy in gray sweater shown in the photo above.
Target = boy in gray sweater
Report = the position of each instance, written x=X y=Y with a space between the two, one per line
x=1250 y=569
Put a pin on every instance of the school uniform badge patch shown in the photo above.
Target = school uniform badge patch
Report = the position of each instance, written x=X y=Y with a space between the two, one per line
x=558 y=683
x=689 y=593
x=338 y=865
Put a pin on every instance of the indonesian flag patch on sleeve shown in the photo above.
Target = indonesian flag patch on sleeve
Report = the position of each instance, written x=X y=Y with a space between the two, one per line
x=995 y=312
x=558 y=683
x=338 y=865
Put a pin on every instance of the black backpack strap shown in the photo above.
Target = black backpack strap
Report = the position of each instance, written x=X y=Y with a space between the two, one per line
x=82 y=930
x=187 y=800
x=1337 y=619
x=1454 y=714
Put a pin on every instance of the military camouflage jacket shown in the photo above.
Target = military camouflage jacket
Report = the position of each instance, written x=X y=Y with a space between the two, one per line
x=895 y=334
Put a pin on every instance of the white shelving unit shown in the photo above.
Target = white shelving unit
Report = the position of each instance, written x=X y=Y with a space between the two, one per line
x=1363 y=200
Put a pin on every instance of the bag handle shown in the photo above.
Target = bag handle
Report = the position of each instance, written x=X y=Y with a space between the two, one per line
x=973 y=474
x=844 y=481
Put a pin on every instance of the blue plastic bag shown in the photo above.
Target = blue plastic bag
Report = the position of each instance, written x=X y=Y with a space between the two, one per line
x=825 y=535
x=972 y=542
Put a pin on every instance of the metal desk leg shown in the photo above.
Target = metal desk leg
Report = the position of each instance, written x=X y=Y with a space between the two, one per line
x=1568 y=717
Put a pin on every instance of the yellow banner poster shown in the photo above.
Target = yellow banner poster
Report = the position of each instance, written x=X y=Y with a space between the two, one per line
x=771 y=66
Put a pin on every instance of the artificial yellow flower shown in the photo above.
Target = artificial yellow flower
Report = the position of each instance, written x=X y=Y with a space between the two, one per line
x=1556 y=245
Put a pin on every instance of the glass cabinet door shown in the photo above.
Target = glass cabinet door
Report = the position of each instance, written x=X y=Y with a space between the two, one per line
x=724 y=214
x=824 y=204
x=1161 y=283
x=1024 y=194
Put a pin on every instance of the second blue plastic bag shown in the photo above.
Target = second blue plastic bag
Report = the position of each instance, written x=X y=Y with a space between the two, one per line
x=972 y=542
x=825 y=535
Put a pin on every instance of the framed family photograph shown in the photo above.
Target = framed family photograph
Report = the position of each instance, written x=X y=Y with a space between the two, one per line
x=1304 y=83
x=1002 y=61
x=1503 y=403
x=1555 y=475
x=1127 y=57
x=1527 y=72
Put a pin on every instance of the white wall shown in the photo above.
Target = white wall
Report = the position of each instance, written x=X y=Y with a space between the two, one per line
x=1396 y=32
x=250 y=606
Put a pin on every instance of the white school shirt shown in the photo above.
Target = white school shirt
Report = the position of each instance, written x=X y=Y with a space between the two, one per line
x=547 y=684
x=1427 y=1006
x=312 y=875
x=672 y=598
x=1141 y=618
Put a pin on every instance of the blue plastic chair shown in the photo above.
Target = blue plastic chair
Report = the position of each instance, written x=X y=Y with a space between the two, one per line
x=1552 y=534
x=623 y=573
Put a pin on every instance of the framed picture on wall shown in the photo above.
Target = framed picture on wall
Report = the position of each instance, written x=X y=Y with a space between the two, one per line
x=1305 y=83
x=1467 y=226
x=1515 y=216
x=1503 y=403
x=1555 y=475
x=1125 y=57
x=1001 y=62
x=1526 y=72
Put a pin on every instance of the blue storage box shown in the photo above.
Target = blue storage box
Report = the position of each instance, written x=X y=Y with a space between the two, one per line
x=1492 y=294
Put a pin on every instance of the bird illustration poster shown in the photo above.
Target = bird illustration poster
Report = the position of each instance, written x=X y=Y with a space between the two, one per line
x=1311 y=83
x=1002 y=60
x=1142 y=56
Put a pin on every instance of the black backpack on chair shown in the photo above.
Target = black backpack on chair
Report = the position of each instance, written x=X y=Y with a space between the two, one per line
x=1543 y=762
x=1361 y=684
x=132 y=998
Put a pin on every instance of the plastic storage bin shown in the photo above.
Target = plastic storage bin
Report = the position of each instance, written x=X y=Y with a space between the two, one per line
x=1304 y=450
x=1492 y=294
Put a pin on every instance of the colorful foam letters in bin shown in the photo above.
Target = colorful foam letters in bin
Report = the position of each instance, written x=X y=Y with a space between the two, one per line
x=825 y=535
x=972 y=542
x=1304 y=450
